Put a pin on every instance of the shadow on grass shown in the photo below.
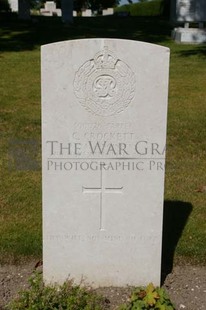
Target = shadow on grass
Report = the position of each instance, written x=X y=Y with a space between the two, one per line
x=17 y=35
x=176 y=214
x=196 y=50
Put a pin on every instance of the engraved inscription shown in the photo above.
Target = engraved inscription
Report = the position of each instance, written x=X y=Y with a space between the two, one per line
x=142 y=239
x=104 y=85
x=101 y=190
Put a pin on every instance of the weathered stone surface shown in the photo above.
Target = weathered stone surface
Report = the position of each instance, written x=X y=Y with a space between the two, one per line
x=104 y=111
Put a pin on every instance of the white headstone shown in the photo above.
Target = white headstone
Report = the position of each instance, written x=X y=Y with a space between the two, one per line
x=46 y=13
x=104 y=111
x=50 y=9
x=109 y=11
x=190 y=10
x=74 y=13
x=58 y=12
x=87 y=13
x=189 y=35
x=13 y=5
x=50 y=6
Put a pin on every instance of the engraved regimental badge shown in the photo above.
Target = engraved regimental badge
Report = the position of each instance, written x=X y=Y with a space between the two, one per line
x=104 y=85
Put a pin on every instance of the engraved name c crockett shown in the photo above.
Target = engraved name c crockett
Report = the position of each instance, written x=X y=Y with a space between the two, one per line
x=104 y=85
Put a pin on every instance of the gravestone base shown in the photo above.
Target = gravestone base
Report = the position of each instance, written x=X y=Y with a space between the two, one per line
x=189 y=35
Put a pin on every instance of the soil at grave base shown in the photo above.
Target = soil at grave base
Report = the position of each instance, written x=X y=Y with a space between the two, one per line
x=186 y=286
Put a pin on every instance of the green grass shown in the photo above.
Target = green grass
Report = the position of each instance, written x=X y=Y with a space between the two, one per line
x=186 y=150
x=20 y=197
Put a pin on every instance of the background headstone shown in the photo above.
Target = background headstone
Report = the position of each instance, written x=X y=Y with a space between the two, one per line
x=189 y=35
x=109 y=11
x=189 y=11
x=50 y=9
x=87 y=13
x=13 y=5
x=50 y=6
x=58 y=12
x=46 y=13
x=104 y=111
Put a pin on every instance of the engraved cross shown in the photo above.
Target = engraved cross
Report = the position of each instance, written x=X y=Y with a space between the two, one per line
x=101 y=190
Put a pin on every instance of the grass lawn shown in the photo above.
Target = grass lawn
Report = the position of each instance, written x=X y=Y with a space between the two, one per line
x=20 y=127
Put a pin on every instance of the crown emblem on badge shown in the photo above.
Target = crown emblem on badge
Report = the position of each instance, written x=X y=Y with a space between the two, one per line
x=105 y=59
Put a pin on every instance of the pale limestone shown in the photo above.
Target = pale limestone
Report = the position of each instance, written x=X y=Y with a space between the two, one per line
x=50 y=6
x=188 y=10
x=189 y=35
x=13 y=5
x=46 y=13
x=103 y=209
x=87 y=13
x=58 y=12
x=109 y=11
